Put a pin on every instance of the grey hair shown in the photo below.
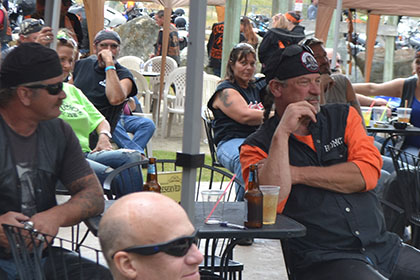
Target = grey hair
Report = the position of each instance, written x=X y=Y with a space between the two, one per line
x=268 y=98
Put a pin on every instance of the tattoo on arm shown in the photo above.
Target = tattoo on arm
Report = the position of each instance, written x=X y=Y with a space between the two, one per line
x=88 y=194
x=224 y=95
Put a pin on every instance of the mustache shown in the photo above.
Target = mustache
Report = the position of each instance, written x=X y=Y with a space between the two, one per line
x=312 y=98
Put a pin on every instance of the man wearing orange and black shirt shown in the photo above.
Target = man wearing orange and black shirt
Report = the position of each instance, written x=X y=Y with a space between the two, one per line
x=326 y=167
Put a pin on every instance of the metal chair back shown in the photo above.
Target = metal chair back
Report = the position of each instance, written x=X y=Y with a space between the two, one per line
x=407 y=167
x=207 y=117
x=125 y=175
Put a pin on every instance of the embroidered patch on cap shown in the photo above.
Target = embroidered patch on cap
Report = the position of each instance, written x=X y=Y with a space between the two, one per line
x=309 y=62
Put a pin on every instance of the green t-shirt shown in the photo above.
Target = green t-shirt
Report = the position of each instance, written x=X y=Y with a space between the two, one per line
x=80 y=114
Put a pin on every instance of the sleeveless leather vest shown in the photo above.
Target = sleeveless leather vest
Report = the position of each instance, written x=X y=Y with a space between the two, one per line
x=51 y=145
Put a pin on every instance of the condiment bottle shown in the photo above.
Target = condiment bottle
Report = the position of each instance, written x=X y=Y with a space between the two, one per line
x=254 y=200
x=152 y=181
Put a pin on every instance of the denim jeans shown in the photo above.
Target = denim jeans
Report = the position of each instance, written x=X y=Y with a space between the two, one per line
x=228 y=156
x=142 y=128
x=103 y=162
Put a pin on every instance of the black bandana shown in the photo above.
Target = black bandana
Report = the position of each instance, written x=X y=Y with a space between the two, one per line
x=293 y=61
x=29 y=62
x=107 y=35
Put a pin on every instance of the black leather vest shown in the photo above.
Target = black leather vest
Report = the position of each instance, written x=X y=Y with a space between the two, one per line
x=51 y=146
x=338 y=225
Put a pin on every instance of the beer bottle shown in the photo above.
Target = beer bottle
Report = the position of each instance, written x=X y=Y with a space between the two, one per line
x=254 y=199
x=152 y=181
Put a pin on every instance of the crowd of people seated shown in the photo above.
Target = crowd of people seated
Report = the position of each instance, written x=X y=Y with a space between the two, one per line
x=298 y=121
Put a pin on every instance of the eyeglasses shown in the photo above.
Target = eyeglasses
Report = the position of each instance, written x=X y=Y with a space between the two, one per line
x=52 y=89
x=177 y=247
x=106 y=45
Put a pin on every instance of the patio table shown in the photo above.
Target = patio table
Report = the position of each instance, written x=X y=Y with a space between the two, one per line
x=393 y=133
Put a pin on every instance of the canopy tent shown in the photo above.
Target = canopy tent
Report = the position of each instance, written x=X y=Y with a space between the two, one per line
x=376 y=8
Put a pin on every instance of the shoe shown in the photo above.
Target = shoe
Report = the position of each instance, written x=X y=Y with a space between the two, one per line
x=246 y=241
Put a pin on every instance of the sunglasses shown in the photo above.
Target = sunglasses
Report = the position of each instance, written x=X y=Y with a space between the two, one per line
x=242 y=46
x=66 y=39
x=52 y=89
x=105 y=45
x=177 y=247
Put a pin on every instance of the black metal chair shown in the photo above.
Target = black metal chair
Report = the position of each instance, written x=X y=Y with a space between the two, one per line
x=28 y=248
x=207 y=117
x=124 y=175
x=407 y=167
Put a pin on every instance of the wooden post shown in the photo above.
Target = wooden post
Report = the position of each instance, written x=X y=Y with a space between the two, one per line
x=389 y=53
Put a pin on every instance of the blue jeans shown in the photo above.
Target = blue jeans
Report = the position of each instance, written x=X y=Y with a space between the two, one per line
x=103 y=162
x=228 y=156
x=142 y=128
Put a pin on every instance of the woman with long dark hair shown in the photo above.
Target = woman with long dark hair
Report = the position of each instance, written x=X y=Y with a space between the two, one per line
x=237 y=108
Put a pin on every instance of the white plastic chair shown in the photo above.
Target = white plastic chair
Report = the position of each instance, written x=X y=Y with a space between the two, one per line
x=130 y=62
x=210 y=83
x=142 y=89
x=173 y=104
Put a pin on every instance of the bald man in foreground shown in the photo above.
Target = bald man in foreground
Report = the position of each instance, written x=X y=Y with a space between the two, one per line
x=148 y=236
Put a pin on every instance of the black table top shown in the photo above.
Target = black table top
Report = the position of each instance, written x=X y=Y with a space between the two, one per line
x=234 y=213
x=411 y=130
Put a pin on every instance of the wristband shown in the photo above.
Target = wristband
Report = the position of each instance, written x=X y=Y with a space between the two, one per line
x=109 y=68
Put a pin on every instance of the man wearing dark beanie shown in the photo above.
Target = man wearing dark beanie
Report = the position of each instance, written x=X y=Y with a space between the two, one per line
x=327 y=169
x=105 y=82
x=37 y=150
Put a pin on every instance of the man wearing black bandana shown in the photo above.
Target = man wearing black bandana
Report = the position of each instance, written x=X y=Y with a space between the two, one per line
x=37 y=150
x=105 y=82
x=326 y=167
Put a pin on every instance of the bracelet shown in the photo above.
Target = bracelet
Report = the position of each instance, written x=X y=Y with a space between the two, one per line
x=109 y=68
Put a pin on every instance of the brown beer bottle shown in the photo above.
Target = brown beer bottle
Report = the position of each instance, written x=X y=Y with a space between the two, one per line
x=152 y=184
x=254 y=199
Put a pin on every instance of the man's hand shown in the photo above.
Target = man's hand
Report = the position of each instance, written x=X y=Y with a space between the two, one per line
x=46 y=223
x=296 y=118
x=105 y=58
x=326 y=82
x=45 y=36
x=103 y=144
x=10 y=218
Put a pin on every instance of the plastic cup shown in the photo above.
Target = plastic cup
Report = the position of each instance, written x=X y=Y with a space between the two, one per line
x=366 y=112
x=210 y=198
x=377 y=113
x=404 y=114
x=270 y=201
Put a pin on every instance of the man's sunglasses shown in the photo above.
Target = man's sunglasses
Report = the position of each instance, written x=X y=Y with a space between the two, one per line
x=52 y=89
x=177 y=247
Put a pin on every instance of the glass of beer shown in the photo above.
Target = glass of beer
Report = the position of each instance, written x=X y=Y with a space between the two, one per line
x=270 y=200
x=404 y=114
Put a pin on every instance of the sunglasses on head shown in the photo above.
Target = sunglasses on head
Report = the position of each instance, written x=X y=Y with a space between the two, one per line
x=242 y=46
x=177 y=247
x=52 y=89
x=66 y=39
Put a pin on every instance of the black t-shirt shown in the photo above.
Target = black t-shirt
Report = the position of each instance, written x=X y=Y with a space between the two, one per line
x=24 y=150
x=91 y=79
